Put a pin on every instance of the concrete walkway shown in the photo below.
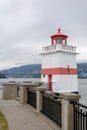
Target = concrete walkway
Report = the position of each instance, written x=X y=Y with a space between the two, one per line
x=23 y=117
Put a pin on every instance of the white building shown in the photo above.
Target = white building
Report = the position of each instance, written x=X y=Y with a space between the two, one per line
x=59 y=67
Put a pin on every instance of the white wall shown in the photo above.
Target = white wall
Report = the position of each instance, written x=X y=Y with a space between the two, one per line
x=59 y=59
x=44 y=80
x=62 y=83
x=65 y=83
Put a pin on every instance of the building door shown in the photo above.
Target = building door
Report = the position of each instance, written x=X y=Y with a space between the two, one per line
x=49 y=82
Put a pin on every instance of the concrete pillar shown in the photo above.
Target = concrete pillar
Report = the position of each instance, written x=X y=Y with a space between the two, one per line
x=6 y=92
x=68 y=110
x=39 y=98
x=38 y=101
x=22 y=94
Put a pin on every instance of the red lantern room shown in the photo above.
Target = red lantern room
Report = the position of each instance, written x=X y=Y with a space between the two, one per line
x=59 y=38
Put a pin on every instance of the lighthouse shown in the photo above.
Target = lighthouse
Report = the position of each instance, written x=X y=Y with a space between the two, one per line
x=59 y=67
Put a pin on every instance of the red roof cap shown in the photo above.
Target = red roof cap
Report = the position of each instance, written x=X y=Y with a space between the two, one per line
x=59 y=35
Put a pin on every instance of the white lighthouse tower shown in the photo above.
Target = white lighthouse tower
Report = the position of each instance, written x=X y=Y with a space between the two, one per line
x=59 y=67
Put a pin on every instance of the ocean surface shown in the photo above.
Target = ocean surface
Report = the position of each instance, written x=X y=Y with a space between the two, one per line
x=82 y=84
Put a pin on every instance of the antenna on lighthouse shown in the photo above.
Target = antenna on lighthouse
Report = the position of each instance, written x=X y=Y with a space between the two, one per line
x=59 y=30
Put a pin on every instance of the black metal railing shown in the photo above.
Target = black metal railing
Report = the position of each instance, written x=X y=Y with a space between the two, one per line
x=51 y=107
x=80 y=116
x=31 y=98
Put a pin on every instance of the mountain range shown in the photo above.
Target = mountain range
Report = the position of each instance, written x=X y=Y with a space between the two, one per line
x=25 y=71
x=34 y=71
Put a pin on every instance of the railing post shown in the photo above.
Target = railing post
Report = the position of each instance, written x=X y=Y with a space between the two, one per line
x=38 y=101
x=39 y=98
x=23 y=93
x=68 y=110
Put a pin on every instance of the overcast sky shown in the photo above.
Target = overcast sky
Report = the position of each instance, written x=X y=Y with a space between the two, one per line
x=26 y=26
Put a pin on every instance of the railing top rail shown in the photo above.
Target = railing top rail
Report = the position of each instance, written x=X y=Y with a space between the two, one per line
x=55 y=96
x=79 y=104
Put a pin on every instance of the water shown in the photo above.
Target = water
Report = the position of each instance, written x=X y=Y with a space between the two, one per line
x=82 y=84
x=19 y=80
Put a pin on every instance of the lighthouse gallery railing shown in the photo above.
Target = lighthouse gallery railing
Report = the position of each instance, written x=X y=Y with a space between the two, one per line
x=59 y=47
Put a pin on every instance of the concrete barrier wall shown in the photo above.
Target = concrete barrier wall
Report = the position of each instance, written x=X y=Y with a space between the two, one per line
x=10 y=91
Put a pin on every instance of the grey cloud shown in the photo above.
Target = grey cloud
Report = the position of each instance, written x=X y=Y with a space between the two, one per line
x=26 y=25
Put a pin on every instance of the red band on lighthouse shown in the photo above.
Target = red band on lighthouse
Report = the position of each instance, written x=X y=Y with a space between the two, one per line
x=60 y=71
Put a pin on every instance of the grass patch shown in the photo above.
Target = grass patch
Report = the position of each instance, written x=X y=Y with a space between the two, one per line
x=3 y=122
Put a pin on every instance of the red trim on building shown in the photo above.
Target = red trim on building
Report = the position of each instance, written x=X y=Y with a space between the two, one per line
x=60 y=71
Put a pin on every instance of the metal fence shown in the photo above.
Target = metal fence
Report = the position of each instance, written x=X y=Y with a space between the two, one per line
x=51 y=107
x=31 y=98
x=80 y=116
